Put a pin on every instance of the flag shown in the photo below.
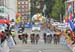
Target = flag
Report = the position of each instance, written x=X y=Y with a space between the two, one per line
x=71 y=25
x=70 y=16
x=66 y=12
x=69 y=8
x=73 y=20
x=71 y=34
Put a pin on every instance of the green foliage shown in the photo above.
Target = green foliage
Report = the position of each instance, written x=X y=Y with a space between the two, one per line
x=55 y=8
x=36 y=6
x=49 y=5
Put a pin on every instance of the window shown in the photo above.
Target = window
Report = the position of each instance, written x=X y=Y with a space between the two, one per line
x=23 y=14
x=22 y=6
x=22 y=10
x=25 y=17
x=22 y=2
x=19 y=10
x=22 y=17
x=26 y=2
x=19 y=2
x=19 y=6
x=26 y=7
x=26 y=10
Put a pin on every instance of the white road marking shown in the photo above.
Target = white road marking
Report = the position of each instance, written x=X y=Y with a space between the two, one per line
x=40 y=51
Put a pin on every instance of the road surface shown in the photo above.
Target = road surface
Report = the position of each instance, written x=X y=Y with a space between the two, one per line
x=40 y=47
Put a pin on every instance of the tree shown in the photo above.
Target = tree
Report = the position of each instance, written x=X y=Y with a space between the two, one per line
x=36 y=6
x=57 y=9
x=54 y=8
x=49 y=5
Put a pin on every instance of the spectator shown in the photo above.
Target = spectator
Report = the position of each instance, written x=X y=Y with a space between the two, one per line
x=2 y=37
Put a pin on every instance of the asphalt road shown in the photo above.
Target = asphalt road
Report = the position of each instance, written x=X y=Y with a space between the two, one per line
x=40 y=47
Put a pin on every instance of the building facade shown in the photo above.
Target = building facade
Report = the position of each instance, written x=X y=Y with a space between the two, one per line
x=1 y=2
x=23 y=7
x=9 y=7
